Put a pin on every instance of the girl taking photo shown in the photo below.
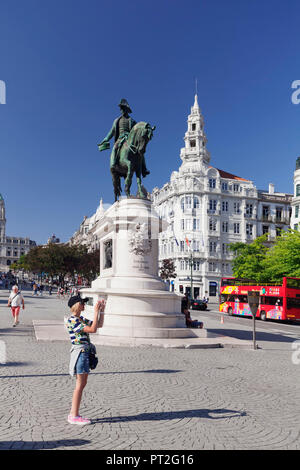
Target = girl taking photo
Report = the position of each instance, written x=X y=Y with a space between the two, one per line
x=79 y=329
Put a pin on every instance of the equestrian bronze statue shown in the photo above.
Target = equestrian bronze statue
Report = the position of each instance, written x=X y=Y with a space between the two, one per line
x=128 y=153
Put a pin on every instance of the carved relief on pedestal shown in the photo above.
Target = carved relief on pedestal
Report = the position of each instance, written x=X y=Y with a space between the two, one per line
x=139 y=241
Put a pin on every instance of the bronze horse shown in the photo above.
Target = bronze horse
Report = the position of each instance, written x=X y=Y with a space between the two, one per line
x=130 y=159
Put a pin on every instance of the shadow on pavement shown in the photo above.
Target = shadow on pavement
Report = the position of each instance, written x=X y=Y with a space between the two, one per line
x=14 y=445
x=16 y=364
x=221 y=413
x=248 y=334
x=158 y=371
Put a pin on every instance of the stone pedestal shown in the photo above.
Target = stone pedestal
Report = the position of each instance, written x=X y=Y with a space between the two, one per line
x=138 y=304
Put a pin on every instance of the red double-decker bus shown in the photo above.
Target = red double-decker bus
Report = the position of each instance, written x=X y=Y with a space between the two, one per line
x=277 y=301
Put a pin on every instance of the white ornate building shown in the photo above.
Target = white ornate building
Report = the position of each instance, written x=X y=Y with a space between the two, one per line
x=85 y=235
x=207 y=209
x=11 y=248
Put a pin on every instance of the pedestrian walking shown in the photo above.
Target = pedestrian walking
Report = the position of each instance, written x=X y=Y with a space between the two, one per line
x=35 y=289
x=15 y=301
x=79 y=329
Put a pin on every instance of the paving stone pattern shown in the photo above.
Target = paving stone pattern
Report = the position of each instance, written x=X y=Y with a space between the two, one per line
x=144 y=398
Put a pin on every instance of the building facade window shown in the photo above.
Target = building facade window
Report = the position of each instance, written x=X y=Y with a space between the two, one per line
x=212 y=267
x=212 y=183
x=224 y=186
x=224 y=227
x=196 y=265
x=298 y=190
x=212 y=205
x=196 y=224
x=278 y=213
x=249 y=230
x=236 y=228
x=186 y=203
x=212 y=225
x=224 y=206
x=212 y=247
x=236 y=207
x=265 y=212
x=265 y=229
x=196 y=245
x=225 y=268
x=296 y=212
x=196 y=203
x=249 y=210
x=224 y=248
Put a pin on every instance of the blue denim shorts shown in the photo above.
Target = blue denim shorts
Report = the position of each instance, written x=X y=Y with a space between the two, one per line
x=83 y=363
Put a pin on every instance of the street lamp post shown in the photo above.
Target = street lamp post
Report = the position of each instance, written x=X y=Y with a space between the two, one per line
x=191 y=262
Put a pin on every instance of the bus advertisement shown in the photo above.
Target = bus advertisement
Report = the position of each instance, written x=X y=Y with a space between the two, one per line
x=277 y=302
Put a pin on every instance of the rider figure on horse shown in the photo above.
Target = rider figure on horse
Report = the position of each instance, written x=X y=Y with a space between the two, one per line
x=120 y=131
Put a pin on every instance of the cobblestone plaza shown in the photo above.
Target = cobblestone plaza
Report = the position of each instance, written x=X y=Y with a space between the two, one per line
x=145 y=397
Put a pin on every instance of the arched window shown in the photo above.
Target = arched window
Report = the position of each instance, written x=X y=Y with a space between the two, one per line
x=196 y=203
x=182 y=204
x=186 y=203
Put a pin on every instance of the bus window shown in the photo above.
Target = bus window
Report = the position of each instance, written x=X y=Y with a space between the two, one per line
x=293 y=303
x=264 y=300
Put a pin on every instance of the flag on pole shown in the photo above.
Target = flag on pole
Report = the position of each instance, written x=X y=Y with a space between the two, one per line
x=187 y=242
x=176 y=241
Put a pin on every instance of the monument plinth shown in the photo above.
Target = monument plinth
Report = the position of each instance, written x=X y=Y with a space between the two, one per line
x=138 y=302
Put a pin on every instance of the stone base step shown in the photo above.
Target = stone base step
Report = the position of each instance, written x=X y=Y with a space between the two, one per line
x=128 y=332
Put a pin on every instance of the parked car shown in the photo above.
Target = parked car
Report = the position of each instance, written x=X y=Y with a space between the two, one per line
x=198 y=304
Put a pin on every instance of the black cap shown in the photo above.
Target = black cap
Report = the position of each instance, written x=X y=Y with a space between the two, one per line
x=76 y=298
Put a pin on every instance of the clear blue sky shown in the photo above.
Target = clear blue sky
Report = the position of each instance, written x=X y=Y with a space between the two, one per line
x=67 y=63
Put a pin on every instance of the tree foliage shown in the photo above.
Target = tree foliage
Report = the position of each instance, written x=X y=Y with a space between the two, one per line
x=61 y=260
x=249 y=259
x=262 y=262
x=167 y=270
x=283 y=258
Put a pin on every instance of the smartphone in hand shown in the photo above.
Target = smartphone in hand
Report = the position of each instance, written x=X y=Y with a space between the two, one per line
x=102 y=300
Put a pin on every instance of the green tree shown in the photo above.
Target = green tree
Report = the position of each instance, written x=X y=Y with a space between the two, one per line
x=283 y=258
x=249 y=261
x=89 y=265
x=62 y=260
